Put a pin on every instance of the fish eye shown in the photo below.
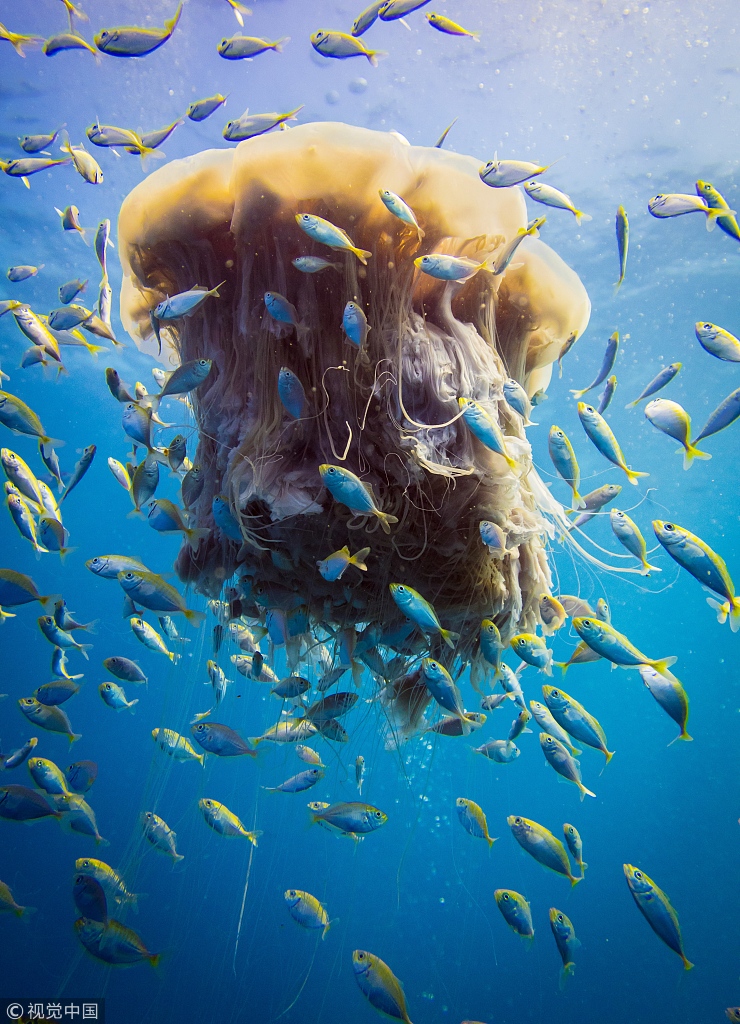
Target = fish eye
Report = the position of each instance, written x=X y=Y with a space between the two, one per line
x=148 y=814
x=505 y=897
x=587 y=623
x=199 y=728
x=360 y=956
x=378 y=814
x=518 y=821
x=707 y=327
x=560 y=918
x=669 y=527
x=203 y=362
x=129 y=576
x=638 y=874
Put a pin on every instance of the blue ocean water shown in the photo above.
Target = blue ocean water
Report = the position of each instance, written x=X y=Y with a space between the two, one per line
x=631 y=100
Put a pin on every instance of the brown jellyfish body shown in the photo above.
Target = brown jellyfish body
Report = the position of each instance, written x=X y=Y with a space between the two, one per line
x=387 y=411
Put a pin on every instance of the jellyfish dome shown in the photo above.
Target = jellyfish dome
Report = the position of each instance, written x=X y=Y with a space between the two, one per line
x=387 y=410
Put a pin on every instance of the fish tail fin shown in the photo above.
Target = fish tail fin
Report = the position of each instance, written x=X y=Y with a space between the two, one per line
x=83 y=649
x=662 y=665
x=567 y=972
x=687 y=964
x=449 y=637
x=690 y=453
x=24 y=913
x=575 y=751
x=578 y=501
x=280 y=43
x=511 y=463
x=633 y=476
x=254 y=836
x=585 y=792
x=155 y=959
x=683 y=735
x=151 y=401
x=363 y=255
x=712 y=215
x=735 y=615
x=582 y=217
x=722 y=609
x=73 y=737
x=171 y=25
x=563 y=666
x=194 y=618
x=195 y=536
x=575 y=879
x=358 y=559
x=177 y=857
x=5 y=615
x=374 y=56
x=578 y=393
x=647 y=568
x=631 y=405
x=490 y=841
x=608 y=754
x=385 y=519
x=53 y=442
x=172 y=656
x=131 y=705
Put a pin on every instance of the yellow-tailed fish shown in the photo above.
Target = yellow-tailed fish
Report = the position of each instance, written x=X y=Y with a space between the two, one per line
x=379 y=985
x=340 y=45
x=329 y=234
x=132 y=41
x=660 y=380
x=550 y=196
x=656 y=908
x=602 y=436
x=563 y=762
x=725 y=218
x=565 y=939
x=565 y=462
x=705 y=565
x=516 y=912
x=622 y=226
x=552 y=614
x=357 y=495
x=473 y=820
x=224 y=821
x=449 y=27
x=532 y=650
x=575 y=845
x=610 y=355
x=605 y=641
x=541 y=844
x=628 y=533
x=420 y=611
x=672 y=419
x=178 y=747
x=574 y=718
x=307 y=910
x=671 y=696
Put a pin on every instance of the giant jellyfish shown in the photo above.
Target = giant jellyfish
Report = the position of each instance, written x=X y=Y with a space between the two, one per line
x=388 y=411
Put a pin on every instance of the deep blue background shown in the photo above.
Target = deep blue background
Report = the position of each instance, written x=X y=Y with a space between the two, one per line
x=636 y=100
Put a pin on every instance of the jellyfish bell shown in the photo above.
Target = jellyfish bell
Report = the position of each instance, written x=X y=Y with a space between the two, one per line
x=386 y=410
